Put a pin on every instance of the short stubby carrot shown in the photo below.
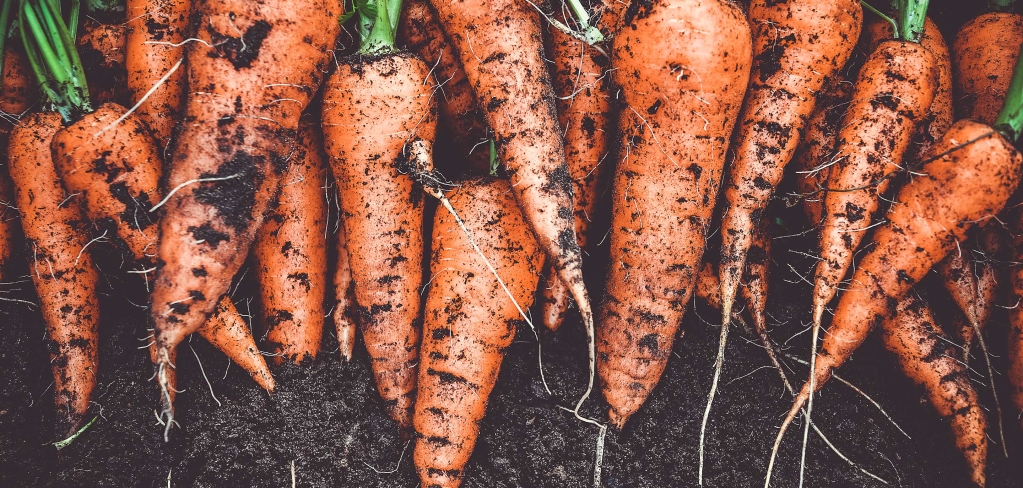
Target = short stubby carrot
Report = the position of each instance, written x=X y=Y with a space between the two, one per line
x=251 y=78
x=102 y=50
x=374 y=111
x=500 y=44
x=460 y=115
x=56 y=236
x=680 y=107
x=813 y=160
x=581 y=86
x=893 y=93
x=927 y=358
x=470 y=319
x=984 y=53
x=156 y=32
x=291 y=255
x=797 y=46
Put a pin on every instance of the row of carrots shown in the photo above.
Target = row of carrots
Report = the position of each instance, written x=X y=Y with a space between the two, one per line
x=224 y=150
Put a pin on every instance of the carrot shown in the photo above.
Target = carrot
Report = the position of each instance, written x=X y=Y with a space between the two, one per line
x=1015 y=336
x=16 y=96
x=797 y=46
x=102 y=50
x=500 y=45
x=941 y=113
x=248 y=91
x=926 y=357
x=155 y=36
x=291 y=255
x=110 y=159
x=754 y=278
x=344 y=296
x=813 y=159
x=984 y=52
x=893 y=93
x=61 y=267
x=376 y=106
x=973 y=172
x=470 y=320
x=459 y=114
x=581 y=87
x=680 y=107
x=972 y=280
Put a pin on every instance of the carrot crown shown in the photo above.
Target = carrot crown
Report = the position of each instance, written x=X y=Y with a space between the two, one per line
x=582 y=29
x=912 y=17
x=1010 y=118
x=377 y=24
x=51 y=51
x=1000 y=5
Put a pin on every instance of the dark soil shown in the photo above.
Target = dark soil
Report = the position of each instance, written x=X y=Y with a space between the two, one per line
x=325 y=425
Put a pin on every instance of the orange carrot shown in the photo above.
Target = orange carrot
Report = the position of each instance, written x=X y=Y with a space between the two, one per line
x=460 y=116
x=102 y=49
x=680 y=107
x=581 y=85
x=248 y=90
x=797 y=46
x=470 y=320
x=18 y=94
x=972 y=280
x=754 y=278
x=344 y=296
x=893 y=93
x=56 y=236
x=926 y=357
x=155 y=44
x=291 y=255
x=813 y=160
x=984 y=51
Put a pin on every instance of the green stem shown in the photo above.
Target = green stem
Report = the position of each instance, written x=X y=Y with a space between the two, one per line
x=912 y=18
x=591 y=34
x=53 y=57
x=895 y=25
x=381 y=37
x=1010 y=118
x=1000 y=5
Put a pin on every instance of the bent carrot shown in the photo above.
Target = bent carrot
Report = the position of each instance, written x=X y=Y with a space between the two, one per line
x=248 y=91
x=470 y=320
x=155 y=44
x=581 y=83
x=459 y=113
x=928 y=360
x=680 y=107
x=291 y=255
x=61 y=267
x=797 y=46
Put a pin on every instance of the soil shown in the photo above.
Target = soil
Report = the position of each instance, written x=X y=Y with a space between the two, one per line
x=325 y=425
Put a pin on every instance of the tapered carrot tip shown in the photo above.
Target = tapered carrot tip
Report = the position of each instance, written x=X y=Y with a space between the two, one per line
x=226 y=331
x=555 y=304
x=400 y=410
x=345 y=334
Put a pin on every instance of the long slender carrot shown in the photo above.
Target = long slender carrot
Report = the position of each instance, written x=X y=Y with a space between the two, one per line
x=581 y=86
x=926 y=357
x=813 y=160
x=376 y=106
x=501 y=47
x=470 y=320
x=680 y=107
x=156 y=32
x=971 y=278
x=255 y=70
x=459 y=114
x=56 y=235
x=797 y=46
x=291 y=255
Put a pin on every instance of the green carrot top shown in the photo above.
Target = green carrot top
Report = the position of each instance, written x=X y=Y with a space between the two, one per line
x=376 y=23
x=52 y=54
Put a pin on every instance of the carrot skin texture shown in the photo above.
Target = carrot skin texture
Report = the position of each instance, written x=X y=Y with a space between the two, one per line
x=754 y=283
x=459 y=113
x=373 y=109
x=985 y=51
x=291 y=255
x=501 y=47
x=102 y=50
x=894 y=91
x=469 y=322
x=666 y=182
x=797 y=46
x=812 y=161
x=925 y=356
x=61 y=267
x=154 y=30
x=240 y=120
x=922 y=228
x=344 y=296
x=581 y=84
x=117 y=171
x=972 y=279
x=17 y=96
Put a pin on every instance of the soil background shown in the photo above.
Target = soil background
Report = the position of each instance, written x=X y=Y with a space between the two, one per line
x=325 y=426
